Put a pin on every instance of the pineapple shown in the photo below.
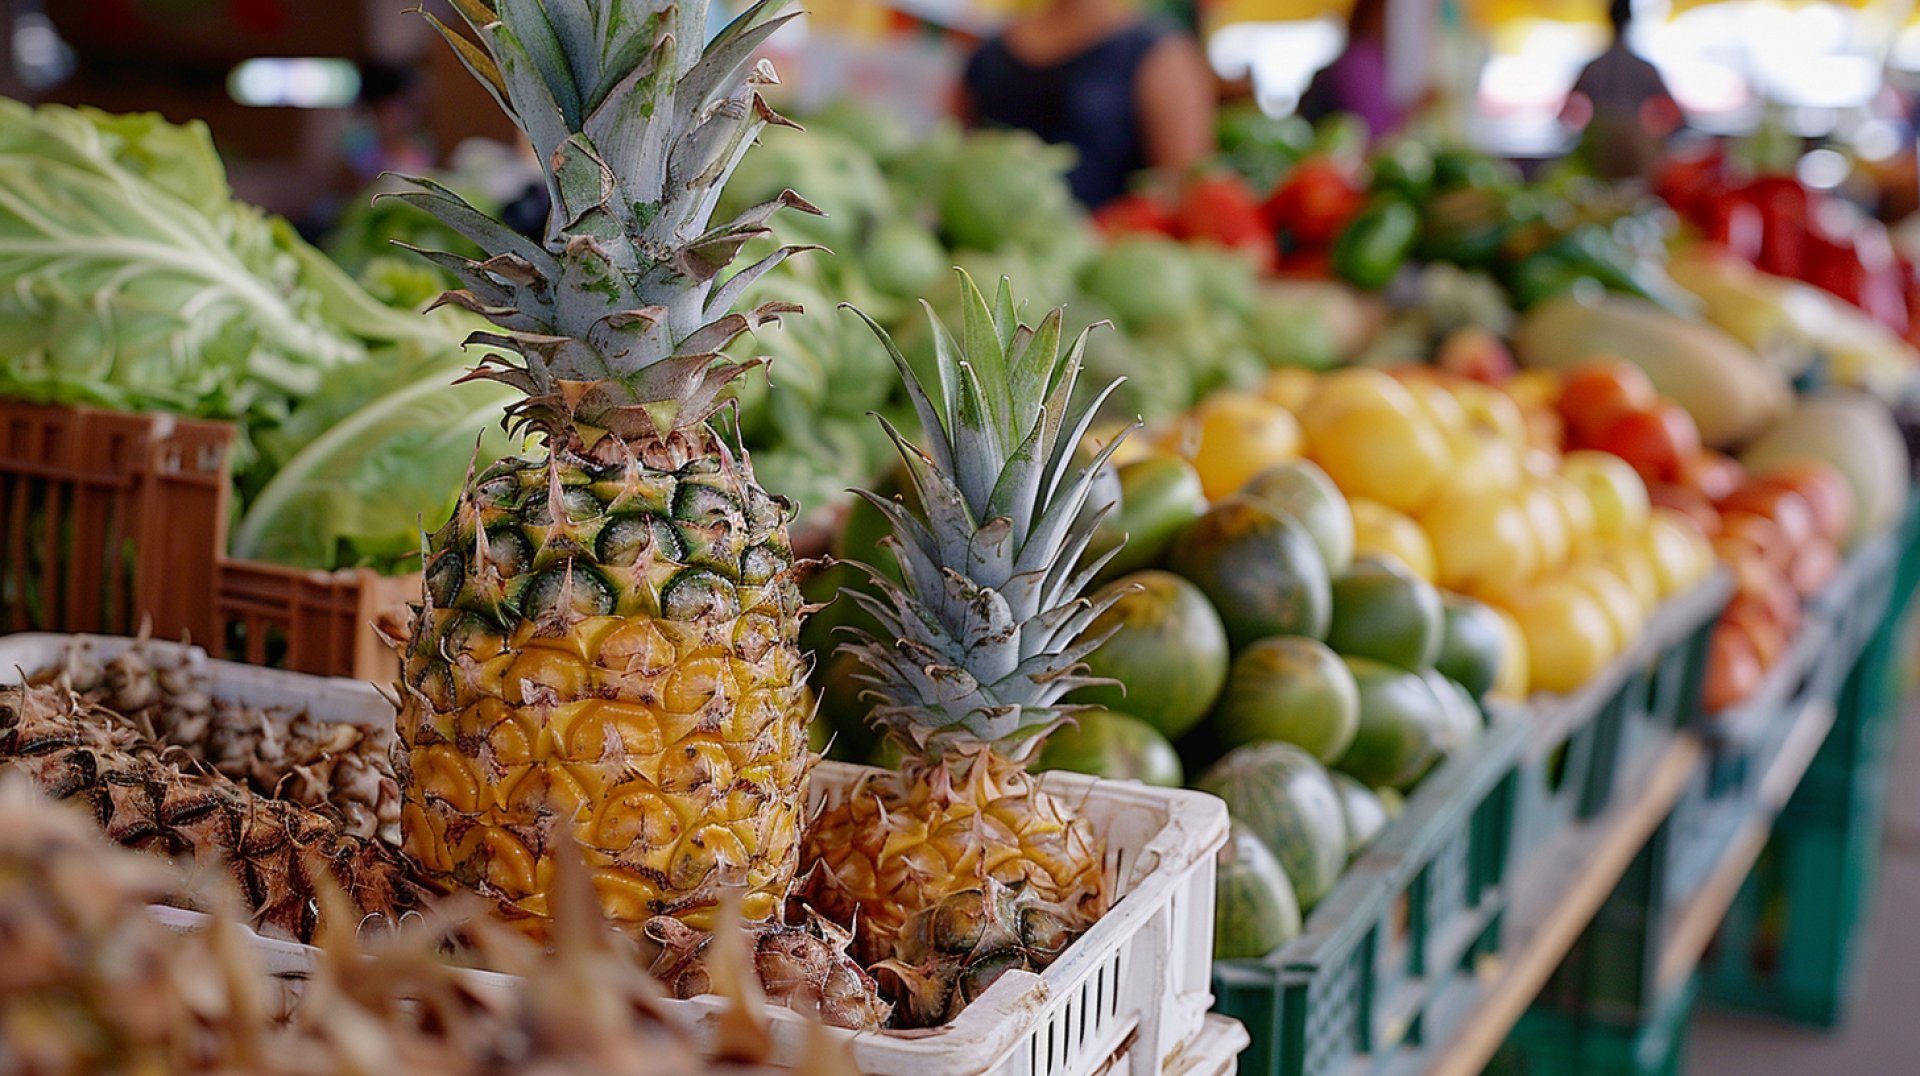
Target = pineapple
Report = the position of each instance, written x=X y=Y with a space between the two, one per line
x=960 y=865
x=276 y=852
x=90 y=983
x=608 y=634
x=804 y=968
x=340 y=769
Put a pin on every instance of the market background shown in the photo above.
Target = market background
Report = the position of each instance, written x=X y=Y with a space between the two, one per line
x=1814 y=105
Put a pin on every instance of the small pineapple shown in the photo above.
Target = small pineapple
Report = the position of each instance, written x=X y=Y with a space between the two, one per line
x=277 y=852
x=961 y=865
x=609 y=628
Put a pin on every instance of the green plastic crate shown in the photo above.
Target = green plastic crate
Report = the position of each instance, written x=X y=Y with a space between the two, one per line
x=1384 y=964
x=1870 y=704
x=1610 y=971
x=1585 y=742
x=1790 y=945
x=1554 y=1044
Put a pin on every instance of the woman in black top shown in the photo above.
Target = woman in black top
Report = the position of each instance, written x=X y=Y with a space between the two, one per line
x=1127 y=92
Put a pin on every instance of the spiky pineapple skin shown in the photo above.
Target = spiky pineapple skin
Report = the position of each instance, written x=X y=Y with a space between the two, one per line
x=629 y=667
x=892 y=853
x=276 y=852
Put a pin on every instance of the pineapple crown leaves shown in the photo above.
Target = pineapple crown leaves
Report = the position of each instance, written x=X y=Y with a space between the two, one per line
x=617 y=318
x=989 y=625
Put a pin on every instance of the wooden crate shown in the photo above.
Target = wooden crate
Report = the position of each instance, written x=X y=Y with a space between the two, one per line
x=109 y=520
x=113 y=522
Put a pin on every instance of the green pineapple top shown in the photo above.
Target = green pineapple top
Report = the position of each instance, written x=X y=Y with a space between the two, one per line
x=987 y=629
x=618 y=316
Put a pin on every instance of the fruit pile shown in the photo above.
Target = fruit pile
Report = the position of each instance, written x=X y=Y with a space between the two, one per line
x=1466 y=484
x=1780 y=522
x=1314 y=686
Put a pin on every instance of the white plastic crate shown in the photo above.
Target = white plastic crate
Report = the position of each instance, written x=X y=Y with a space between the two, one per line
x=1131 y=995
x=1216 y=1052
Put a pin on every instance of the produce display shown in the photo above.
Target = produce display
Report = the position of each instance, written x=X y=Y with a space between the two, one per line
x=276 y=849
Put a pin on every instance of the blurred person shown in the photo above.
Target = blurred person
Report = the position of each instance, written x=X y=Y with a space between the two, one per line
x=1623 y=107
x=1127 y=91
x=388 y=132
x=385 y=131
x=1356 y=81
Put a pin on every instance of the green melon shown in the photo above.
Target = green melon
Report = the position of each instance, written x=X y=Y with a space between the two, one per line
x=1160 y=496
x=1168 y=652
x=1302 y=490
x=1471 y=644
x=1111 y=745
x=1260 y=569
x=1402 y=726
x=1463 y=721
x=1366 y=815
x=1254 y=909
x=1385 y=612
x=1291 y=689
x=1286 y=798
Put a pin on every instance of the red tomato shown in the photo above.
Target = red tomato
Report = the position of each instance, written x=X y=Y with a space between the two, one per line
x=1785 y=507
x=1657 y=441
x=1713 y=474
x=1758 y=533
x=1826 y=493
x=1133 y=213
x=1759 y=582
x=1315 y=202
x=1689 y=502
x=1814 y=566
x=1600 y=392
x=1733 y=670
x=1222 y=208
x=1752 y=618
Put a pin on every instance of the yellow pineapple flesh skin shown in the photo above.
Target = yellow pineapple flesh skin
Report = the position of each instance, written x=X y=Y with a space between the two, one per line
x=633 y=672
x=906 y=840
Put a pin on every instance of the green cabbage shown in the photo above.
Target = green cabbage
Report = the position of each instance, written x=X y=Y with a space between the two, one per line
x=131 y=279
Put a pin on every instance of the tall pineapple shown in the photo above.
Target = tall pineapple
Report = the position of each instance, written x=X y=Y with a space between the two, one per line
x=608 y=631
x=960 y=865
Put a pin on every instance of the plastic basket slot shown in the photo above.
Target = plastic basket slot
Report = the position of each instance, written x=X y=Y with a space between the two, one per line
x=1337 y=1013
x=1446 y=903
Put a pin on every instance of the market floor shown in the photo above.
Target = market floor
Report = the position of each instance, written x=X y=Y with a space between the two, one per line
x=1879 y=1035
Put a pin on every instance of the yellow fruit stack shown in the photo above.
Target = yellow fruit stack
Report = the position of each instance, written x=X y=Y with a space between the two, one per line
x=1466 y=484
